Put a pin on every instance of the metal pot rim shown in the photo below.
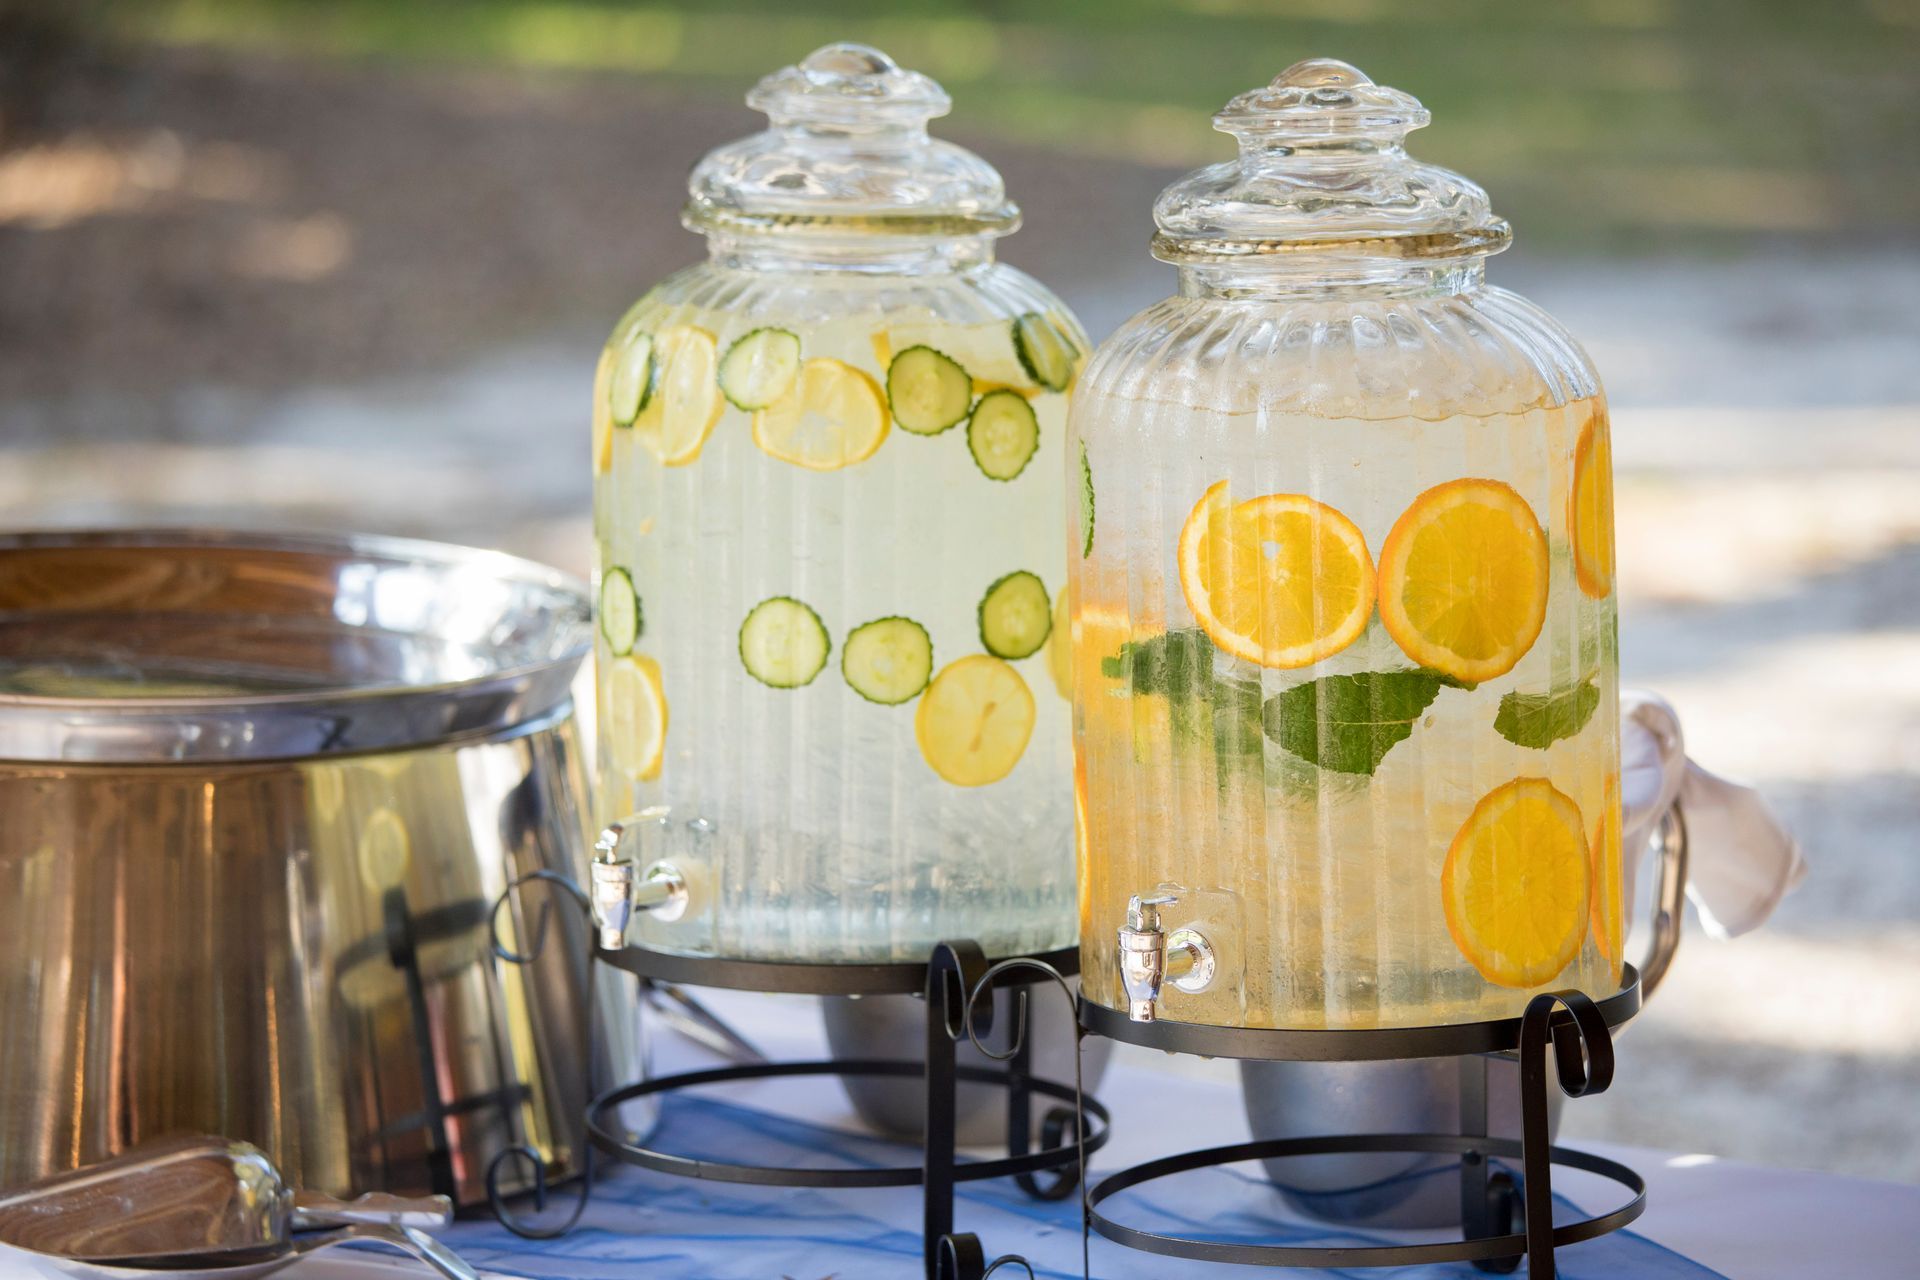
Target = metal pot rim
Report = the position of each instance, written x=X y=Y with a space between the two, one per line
x=332 y=718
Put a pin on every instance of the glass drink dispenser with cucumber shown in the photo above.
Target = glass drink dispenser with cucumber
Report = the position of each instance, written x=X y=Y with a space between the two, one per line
x=827 y=512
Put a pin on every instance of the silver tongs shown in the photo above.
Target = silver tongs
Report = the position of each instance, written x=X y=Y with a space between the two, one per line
x=206 y=1205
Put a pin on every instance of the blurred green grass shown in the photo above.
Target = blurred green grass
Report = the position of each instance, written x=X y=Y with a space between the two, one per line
x=1606 y=122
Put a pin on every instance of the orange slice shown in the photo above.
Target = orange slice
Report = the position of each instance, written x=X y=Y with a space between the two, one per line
x=1516 y=883
x=833 y=416
x=1082 y=840
x=686 y=399
x=1281 y=580
x=1463 y=579
x=1607 y=890
x=974 y=720
x=1590 y=507
x=1105 y=706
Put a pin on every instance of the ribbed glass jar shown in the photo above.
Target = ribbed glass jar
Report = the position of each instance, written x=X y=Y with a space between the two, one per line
x=838 y=516
x=1345 y=664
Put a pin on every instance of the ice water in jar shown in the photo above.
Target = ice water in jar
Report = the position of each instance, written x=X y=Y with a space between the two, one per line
x=1341 y=596
x=827 y=509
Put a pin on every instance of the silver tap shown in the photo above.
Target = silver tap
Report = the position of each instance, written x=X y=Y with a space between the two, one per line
x=620 y=889
x=1151 y=958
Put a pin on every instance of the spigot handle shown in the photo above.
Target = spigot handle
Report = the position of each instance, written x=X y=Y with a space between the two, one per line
x=620 y=888
x=1143 y=913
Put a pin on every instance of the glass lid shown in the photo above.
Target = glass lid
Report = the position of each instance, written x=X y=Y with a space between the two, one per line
x=847 y=148
x=1323 y=167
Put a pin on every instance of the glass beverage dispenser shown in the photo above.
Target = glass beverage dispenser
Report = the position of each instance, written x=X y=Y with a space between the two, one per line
x=1341 y=590
x=827 y=510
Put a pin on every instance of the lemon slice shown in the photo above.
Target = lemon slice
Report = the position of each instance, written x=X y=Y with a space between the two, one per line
x=1590 y=509
x=1516 y=883
x=636 y=717
x=1060 y=648
x=1607 y=889
x=974 y=721
x=386 y=851
x=602 y=414
x=1463 y=579
x=1281 y=580
x=833 y=417
x=686 y=400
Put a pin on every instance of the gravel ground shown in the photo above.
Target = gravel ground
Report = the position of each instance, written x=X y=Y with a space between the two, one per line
x=350 y=298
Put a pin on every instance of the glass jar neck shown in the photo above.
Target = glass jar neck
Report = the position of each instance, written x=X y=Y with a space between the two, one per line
x=855 y=252
x=1323 y=276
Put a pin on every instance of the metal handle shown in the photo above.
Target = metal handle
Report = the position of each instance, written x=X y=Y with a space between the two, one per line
x=1670 y=842
x=312 y=1209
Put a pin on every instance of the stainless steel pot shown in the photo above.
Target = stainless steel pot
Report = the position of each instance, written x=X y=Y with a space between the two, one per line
x=1311 y=1099
x=895 y=1027
x=258 y=795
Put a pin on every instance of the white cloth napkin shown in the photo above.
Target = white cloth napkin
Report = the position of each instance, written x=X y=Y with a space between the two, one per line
x=1741 y=860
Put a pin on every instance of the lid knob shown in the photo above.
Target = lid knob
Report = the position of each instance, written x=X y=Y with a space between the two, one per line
x=1323 y=167
x=848 y=152
x=1320 y=99
x=849 y=85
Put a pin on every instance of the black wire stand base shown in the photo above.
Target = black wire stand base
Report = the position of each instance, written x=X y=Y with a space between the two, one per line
x=1502 y=1221
x=957 y=983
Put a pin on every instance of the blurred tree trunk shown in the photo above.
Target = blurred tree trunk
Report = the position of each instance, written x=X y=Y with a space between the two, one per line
x=42 y=43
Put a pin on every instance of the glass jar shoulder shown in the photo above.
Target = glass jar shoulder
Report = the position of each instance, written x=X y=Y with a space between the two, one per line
x=1480 y=352
x=734 y=300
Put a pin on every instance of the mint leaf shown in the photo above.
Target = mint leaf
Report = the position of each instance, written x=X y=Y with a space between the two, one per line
x=1539 y=720
x=1349 y=723
x=1223 y=711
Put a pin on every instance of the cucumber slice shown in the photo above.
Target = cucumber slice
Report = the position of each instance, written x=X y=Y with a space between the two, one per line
x=928 y=390
x=783 y=643
x=760 y=368
x=1003 y=434
x=888 y=660
x=1086 y=503
x=631 y=386
x=1016 y=616
x=1044 y=353
x=620 y=620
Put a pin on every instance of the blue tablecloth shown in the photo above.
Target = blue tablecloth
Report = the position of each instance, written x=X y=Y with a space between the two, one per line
x=646 y=1226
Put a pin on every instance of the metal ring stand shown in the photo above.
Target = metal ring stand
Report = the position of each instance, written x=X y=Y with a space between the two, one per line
x=1576 y=1029
x=953 y=981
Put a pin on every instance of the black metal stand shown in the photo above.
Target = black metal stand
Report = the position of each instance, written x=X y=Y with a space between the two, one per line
x=957 y=983
x=1501 y=1221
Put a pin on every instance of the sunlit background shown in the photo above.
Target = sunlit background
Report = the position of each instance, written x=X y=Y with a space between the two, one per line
x=347 y=265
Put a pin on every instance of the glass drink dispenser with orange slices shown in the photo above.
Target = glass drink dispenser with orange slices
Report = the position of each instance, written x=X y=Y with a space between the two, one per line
x=827 y=510
x=1340 y=589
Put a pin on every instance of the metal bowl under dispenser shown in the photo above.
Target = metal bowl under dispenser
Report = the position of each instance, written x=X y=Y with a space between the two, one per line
x=260 y=794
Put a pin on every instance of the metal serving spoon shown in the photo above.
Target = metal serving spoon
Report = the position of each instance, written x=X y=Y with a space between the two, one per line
x=204 y=1204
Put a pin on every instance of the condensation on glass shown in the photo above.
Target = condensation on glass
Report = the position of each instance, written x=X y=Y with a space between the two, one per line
x=827 y=507
x=1341 y=596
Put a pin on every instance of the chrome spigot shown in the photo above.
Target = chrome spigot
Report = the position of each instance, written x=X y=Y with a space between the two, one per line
x=1151 y=958
x=619 y=889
